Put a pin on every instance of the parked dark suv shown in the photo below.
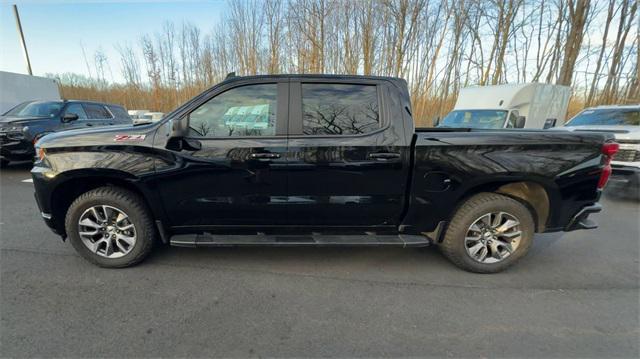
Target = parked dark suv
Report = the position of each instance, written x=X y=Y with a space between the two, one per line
x=24 y=124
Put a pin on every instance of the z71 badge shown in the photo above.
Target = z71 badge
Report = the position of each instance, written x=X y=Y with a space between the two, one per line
x=126 y=138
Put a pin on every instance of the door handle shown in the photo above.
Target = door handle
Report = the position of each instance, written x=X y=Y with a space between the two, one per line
x=89 y=124
x=384 y=155
x=265 y=155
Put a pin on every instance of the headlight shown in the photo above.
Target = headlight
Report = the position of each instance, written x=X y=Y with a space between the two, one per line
x=15 y=128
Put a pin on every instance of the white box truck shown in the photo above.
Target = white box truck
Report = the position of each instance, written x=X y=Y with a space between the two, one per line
x=18 y=88
x=532 y=105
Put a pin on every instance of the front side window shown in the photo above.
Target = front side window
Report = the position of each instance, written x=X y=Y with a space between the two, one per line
x=241 y=111
x=96 y=112
x=77 y=109
x=339 y=109
x=513 y=119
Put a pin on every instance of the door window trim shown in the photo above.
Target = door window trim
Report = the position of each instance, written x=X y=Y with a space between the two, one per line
x=282 y=109
x=296 y=113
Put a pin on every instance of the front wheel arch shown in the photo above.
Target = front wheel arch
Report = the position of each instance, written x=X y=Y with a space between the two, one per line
x=66 y=192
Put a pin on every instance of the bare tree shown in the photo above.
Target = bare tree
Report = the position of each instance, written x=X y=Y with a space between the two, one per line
x=578 y=14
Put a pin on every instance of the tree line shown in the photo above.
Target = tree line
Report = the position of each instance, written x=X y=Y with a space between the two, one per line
x=437 y=46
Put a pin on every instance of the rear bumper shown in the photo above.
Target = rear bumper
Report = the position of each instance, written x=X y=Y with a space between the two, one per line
x=581 y=219
x=624 y=170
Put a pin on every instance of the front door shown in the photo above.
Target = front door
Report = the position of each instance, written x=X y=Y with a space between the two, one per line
x=238 y=176
x=347 y=165
x=75 y=108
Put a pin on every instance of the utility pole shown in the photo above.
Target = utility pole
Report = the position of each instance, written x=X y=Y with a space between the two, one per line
x=22 y=42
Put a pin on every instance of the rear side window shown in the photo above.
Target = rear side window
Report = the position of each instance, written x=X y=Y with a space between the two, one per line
x=118 y=112
x=339 y=109
x=96 y=111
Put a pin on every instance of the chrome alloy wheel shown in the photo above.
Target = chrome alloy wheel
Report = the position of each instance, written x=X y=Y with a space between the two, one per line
x=493 y=237
x=107 y=231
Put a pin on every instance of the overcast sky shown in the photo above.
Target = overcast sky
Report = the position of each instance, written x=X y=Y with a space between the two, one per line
x=56 y=31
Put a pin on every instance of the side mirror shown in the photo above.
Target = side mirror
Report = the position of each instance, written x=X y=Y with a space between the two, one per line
x=548 y=123
x=520 y=122
x=69 y=117
x=178 y=140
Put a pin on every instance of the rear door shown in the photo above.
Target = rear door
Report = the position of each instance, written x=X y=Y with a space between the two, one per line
x=238 y=176
x=97 y=115
x=348 y=164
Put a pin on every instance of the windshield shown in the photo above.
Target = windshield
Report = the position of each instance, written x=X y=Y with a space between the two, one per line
x=475 y=119
x=36 y=109
x=608 y=117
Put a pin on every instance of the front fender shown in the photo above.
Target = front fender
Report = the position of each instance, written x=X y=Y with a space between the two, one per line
x=63 y=174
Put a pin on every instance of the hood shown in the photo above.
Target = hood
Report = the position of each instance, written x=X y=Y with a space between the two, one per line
x=89 y=136
x=17 y=120
x=620 y=132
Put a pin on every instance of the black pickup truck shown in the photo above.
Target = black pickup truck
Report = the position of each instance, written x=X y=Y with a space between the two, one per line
x=296 y=160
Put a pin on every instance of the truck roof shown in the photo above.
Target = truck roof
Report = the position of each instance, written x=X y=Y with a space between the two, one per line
x=316 y=76
x=396 y=80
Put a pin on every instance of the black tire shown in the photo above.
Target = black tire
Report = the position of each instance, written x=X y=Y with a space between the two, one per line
x=453 y=244
x=129 y=202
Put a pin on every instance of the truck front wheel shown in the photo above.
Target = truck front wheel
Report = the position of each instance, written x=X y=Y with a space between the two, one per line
x=110 y=227
x=488 y=233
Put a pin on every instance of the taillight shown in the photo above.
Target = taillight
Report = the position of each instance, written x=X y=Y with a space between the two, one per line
x=608 y=150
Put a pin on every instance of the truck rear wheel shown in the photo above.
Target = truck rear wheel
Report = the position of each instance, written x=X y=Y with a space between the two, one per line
x=110 y=227
x=488 y=233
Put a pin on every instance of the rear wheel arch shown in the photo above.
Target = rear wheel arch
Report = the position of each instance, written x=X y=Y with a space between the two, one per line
x=536 y=196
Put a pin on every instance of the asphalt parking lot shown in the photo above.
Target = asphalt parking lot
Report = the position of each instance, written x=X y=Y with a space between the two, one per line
x=576 y=294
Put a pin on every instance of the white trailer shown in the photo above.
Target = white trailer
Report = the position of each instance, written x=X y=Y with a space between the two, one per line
x=18 y=88
x=532 y=105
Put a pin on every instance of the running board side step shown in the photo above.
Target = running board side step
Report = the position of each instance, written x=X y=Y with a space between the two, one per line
x=222 y=240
